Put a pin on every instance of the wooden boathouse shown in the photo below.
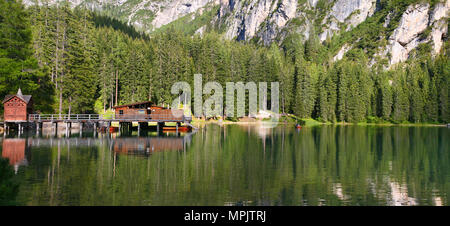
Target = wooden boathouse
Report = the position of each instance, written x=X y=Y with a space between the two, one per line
x=17 y=107
x=19 y=113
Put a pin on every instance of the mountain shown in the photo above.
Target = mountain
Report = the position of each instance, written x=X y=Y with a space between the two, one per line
x=386 y=30
x=143 y=14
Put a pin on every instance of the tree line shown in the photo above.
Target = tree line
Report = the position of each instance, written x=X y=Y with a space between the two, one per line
x=73 y=61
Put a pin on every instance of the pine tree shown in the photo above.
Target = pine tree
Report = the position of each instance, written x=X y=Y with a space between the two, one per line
x=19 y=68
x=400 y=95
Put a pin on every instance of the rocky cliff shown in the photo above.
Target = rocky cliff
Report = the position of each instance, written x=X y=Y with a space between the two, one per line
x=268 y=21
x=143 y=14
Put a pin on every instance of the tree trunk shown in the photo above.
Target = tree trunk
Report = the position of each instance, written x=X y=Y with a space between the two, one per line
x=117 y=83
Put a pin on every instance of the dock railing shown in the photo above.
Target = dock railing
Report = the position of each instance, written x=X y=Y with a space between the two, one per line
x=108 y=117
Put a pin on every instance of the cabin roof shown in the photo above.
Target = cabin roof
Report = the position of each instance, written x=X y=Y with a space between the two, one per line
x=25 y=98
x=135 y=104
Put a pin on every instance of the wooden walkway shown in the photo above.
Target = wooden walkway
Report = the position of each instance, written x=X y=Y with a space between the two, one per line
x=125 y=121
x=107 y=118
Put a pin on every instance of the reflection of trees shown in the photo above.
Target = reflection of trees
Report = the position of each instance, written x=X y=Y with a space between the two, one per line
x=345 y=165
x=8 y=187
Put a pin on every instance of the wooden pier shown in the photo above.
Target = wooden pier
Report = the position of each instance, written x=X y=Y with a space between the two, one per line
x=18 y=114
x=124 y=121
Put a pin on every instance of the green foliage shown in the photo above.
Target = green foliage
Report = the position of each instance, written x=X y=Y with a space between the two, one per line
x=8 y=187
x=18 y=67
x=88 y=58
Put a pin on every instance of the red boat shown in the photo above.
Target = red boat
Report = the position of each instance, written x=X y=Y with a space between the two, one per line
x=174 y=129
x=113 y=129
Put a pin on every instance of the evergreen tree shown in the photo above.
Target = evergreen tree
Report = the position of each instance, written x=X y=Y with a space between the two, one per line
x=18 y=67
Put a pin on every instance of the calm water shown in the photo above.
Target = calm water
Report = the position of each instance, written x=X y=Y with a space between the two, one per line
x=232 y=165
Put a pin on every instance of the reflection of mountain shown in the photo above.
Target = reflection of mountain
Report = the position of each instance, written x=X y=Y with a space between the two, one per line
x=14 y=150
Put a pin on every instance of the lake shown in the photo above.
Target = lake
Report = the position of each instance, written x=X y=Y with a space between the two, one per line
x=231 y=165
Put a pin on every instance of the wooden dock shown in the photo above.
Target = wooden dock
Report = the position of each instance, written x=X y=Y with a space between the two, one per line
x=125 y=120
x=19 y=115
x=107 y=118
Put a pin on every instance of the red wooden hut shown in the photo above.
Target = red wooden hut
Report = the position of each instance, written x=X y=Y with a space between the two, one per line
x=146 y=110
x=142 y=108
x=17 y=107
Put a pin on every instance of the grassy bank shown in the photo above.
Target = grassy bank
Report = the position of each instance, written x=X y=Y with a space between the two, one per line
x=307 y=122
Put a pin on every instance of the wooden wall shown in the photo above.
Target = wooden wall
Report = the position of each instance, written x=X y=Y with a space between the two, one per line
x=15 y=110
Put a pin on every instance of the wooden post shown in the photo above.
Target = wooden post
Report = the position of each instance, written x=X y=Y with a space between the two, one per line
x=95 y=129
x=56 y=129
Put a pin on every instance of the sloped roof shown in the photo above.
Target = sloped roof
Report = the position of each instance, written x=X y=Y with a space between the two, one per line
x=134 y=104
x=25 y=98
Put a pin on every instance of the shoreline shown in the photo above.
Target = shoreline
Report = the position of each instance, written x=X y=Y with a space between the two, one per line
x=317 y=123
x=314 y=123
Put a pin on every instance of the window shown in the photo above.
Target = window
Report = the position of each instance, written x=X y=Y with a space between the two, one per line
x=120 y=112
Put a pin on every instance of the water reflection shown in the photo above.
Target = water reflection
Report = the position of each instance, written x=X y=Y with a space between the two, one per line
x=237 y=165
x=9 y=187
x=14 y=150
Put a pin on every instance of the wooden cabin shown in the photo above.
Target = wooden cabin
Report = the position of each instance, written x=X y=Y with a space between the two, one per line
x=140 y=108
x=147 y=110
x=17 y=107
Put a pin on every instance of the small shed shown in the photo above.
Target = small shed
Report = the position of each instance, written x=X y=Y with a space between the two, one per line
x=17 y=107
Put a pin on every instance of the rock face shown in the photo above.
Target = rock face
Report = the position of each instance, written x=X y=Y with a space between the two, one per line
x=177 y=9
x=268 y=21
x=262 y=18
x=146 y=14
x=405 y=38
x=438 y=19
x=265 y=19
x=246 y=17
x=347 y=12
x=341 y=52
x=415 y=21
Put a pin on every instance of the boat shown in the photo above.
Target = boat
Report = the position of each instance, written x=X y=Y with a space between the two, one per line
x=113 y=129
x=174 y=129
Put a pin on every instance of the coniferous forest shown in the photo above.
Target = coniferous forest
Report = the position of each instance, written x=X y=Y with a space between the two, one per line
x=77 y=61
